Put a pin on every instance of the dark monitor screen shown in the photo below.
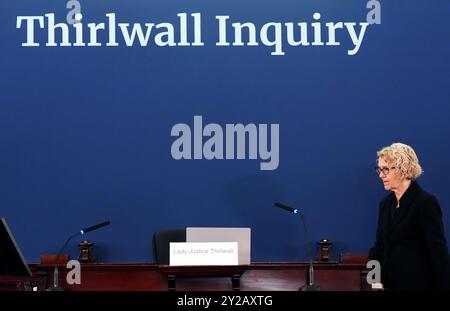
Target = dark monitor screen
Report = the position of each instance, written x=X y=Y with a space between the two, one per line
x=11 y=260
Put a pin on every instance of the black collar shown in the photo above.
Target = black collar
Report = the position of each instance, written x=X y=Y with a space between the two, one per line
x=405 y=201
x=410 y=194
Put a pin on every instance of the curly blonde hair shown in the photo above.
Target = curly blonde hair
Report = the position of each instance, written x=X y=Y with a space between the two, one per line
x=404 y=158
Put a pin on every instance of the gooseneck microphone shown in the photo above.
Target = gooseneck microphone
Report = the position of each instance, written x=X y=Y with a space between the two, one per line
x=95 y=227
x=55 y=286
x=311 y=286
x=286 y=208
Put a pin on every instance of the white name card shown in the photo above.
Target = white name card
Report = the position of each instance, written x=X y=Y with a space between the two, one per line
x=203 y=253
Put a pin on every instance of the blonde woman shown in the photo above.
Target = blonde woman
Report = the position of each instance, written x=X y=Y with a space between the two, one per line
x=410 y=241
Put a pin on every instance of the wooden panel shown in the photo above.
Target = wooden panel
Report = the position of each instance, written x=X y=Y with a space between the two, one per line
x=339 y=280
x=254 y=277
x=262 y=280
x=112 y=277
x=202 y=284
x=354 y=259
x=121 y=281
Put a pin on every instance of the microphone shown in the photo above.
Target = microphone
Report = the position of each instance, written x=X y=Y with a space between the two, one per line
x=286 y=208
x=311 y=286
x=95 y=227
x=55 y=286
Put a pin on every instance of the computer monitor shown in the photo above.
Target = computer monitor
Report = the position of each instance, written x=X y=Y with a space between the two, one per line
x=12 y=262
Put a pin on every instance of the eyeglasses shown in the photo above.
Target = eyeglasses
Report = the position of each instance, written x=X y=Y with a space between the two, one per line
x=385 y=170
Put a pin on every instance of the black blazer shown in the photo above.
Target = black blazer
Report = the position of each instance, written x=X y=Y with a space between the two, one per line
x=410 y=243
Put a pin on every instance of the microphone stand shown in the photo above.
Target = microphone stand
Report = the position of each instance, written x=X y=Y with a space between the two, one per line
x=56 y=286
x=311 y=286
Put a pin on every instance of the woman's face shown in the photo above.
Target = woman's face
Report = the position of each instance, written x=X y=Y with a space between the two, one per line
x=390 y=175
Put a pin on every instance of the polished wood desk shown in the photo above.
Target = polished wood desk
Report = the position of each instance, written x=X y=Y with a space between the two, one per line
x=282 y=276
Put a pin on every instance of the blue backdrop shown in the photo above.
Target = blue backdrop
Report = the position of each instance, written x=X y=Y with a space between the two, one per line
x=85 y=132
